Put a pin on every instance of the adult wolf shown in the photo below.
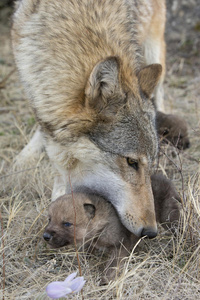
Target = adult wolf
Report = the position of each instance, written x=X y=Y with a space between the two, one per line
x=84 y=66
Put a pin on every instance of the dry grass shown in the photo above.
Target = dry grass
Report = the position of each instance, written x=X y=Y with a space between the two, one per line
x=167 y=267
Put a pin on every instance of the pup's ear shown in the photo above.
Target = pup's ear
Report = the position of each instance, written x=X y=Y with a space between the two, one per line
x=102 y=83
x=148 y=78
x=90 y=210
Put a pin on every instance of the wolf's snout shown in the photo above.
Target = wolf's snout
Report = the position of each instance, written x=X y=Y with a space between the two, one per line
x=149 y=232
x=47 y=236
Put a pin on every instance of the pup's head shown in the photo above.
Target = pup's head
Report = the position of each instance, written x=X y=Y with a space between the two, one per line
x=65 y=213
x=173 y=129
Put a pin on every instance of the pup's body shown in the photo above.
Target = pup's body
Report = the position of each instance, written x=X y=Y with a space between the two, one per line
x=166 y=200
x=98 y=225
x=82 y=65
x=173 y=129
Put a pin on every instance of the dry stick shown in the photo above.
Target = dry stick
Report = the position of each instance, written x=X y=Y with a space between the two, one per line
x=158 y=160
x=191 y=158
x=180 y=170
x=21 y=171
x=3 y=82
x=77 y=256
x=3 y=254
x=190 y=229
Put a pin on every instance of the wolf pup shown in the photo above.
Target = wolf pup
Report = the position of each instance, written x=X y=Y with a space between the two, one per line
x=85 y=68
x=173 y=129
x=98 y=225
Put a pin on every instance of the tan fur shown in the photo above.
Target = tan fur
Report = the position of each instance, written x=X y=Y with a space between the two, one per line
x=85 y=68
x=173 y=129
x=97 y=227
x=97 y=223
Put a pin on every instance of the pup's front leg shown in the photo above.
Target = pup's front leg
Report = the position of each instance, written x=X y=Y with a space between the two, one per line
x=115 y=263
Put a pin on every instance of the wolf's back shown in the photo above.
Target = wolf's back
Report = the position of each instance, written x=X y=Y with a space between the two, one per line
x=57 y=43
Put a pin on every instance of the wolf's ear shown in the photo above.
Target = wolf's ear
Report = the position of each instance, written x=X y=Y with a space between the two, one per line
x=90 y=210
x=102 y=83
x=148 y=78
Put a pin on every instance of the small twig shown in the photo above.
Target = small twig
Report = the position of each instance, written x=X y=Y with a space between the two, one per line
x=177 y=167
x=6 y=109
x=3 y=82
x=77 y=255
x=181 y=172
x=14 y=173
x=191 y=158
x=158 y=159
x=3 y=255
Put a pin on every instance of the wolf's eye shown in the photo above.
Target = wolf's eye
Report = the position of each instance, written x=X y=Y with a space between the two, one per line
x=133 y=163
x=67 y=224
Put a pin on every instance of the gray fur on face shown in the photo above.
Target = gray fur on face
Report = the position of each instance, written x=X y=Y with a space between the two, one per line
x=129 y=132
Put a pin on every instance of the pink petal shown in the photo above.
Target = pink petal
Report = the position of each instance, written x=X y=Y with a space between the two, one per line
x=57 y=289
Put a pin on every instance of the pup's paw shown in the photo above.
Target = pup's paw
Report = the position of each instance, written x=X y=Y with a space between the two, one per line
x=104 y=280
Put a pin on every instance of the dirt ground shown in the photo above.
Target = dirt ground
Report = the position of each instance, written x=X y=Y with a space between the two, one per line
x=167 y=267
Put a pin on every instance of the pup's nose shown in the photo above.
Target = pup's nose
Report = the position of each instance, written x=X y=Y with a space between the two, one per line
x=149 y=232
x=187 y=145
x=47 y=236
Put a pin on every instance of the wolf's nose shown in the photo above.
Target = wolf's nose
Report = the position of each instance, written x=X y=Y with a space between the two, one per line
x=150 y=233
x=47 y=236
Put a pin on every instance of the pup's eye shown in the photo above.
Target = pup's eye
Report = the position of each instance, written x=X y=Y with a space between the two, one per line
x=133 y=163
x=67 y=224
x=165 y=132
x=49 y=219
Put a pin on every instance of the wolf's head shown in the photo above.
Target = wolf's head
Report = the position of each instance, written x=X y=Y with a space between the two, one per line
x=124 y=141
x=111 y=143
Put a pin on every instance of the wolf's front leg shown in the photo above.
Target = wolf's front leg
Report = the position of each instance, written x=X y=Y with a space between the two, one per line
x=31 y=152
x=155 y=49
x=59 y=187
